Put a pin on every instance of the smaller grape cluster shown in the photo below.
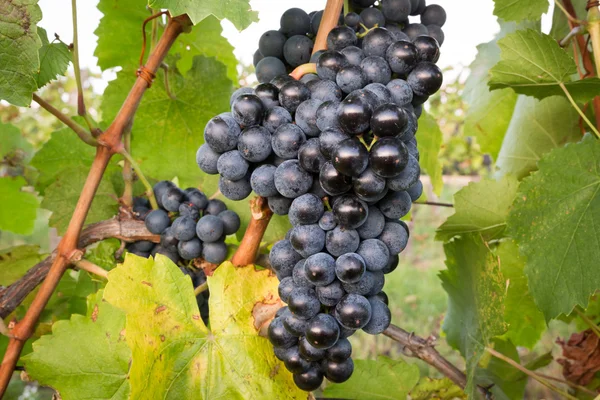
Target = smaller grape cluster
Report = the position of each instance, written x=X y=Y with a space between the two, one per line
x=331 y=279
x=189 y=224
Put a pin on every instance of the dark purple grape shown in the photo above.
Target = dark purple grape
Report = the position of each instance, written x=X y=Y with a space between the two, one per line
x=271 y=44
x=351 y=78
x=309 y=380
x=310 y=156
x=395 y=237
x=381 y=92
x=235 y=190
x=291 y=180
x=327 y=221
x=354 y=55
x=306 y=116
x=352 y=20
x=294 y=325
x=341 y=37
x=320 y=269
x=209 y=228
x=350 y=211
x=304 y=303
x=332 y=181
x=388 y=120
x=353 y=311
x=325 y=90
x=350 y=157
x=292 y=93
x=381 y=317
x=396 y=10
x=257 y=57
x=307 y=239
x=297 y=50
x=281 y=80
x=437 y=33
x=350 y=268
x=338 y=372
x=341 y=351
x=262 y=180
x=428 y=48
x=279 y=205
x=375 y=253
x=172 y=199
x=294 y=362
x=286 y=141
x=401 y=92
x=269 y=94
x=254 y=144
x=354 y=114
x=417 y=7
x=231 y=165
x=396 y=32
x=315 y=21
x=184 y=228
x=306 y=210
x=338 y=241
x=329 y=139
x=214 y=207
x=222 y=132
x=434 y=15
x=322 y=331
x=276 y=117
x=309 y=352
x=371 y=17
x=157 y=221
x=190 y=249
x=415 y=30
x=279 y=336
x=247 y=110
x=376 y=42
x=415 y=191
x=402 y=57
x=388 y=157
x=376 y=69
x=395 y=205
x=330 y=63
x=425 y=79
x=286 y=285
x=373 y=226
x=368 y=185
x=295 y=21
x=331 y=294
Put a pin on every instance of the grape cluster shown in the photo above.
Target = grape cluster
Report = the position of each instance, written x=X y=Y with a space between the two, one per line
x=189 y=224
x=336 y=151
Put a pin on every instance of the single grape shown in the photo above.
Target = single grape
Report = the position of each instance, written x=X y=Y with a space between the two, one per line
x=350 y=212
x=279 y=205
x=268 y=68
x=235 y=95
x=389 y=120
x=341 y=351
x=329 y=139
x=304 y=302
x=255 y=144
x=373 y=226
x=299 y=275
x=281 y=80
x=363 y=287
x=291 y=180
x=330 y=63
x=350 y=157
x=381 y=317
x=197 y=198
x=350 y=268
x=315 y=21
x=256 y=58
x=310 y=157
x=232 y=165
x=350 y=78
x=331 y=294
x=402 y=57
x=307 y=239
x=413 y=31
x=322 y=331
x=395 y=205
x=353 y=54
x=172 y=199
x=353 y=311
x=276 y=117
x=286 y=285
x=263 y=180
x=354 y=114
x=396 y=32
x=215 y=207
x=190 y=249
x=306 y=116
x=294 y=362
x=376 y=42
x=294 y=325
x=247 y=110
x=279 y=336
x=325 y=90
x=292 y=93
x=309 y=380
x=341 y=37
x=380 y=91
x=425 y=79
x=231 y=222
x=394 y=236
x=235 y=190
x=428 y=48
x=328 y=221
x=214 y=253
x=271 y=44
x=295 y=21
x=306 y=210
x=375 y=253
x=306 y=78
x=338 y=372
x=371 y=17
x=388 y=157
x=415 y=191
x=320 y=269
x=417 y=7
x=140 y=246
x=269 y=94
x=157 y=221
x=168 y=240
x=437 y=33
x=352 y=20
x=184 y=228
x=309 y=352
x=209 y=228
x=207 y=158
x=407 y=178
x=391 y=267
x=401 y=91
x=434 y=15
x=286 y=141
x=187 y=209
x=338 y=241
x=396 y=10
x=221 y=133
x=368 y=186
x=333 y=182
x=297 y=50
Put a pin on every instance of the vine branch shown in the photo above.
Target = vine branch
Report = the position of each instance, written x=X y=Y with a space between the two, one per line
x=248 y=250
x=92 y=268
x=75 y=127
x=110 y=142
x=133 y=164
x=330 y=18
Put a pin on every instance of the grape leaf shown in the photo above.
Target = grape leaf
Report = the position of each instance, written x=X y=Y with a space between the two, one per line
x=19 y=208
x=429 y=143
x=532 y=63
x=103 y=253
x=20 y=43
x=97 y=363
x=13 y=145
x=372 y=379
x=239 y=12
x=175 y=356
x=554 y=220
x=536 y=128
x=62 y=195
x=560 y=23
x=475 y=288
x=63 y=151
x=480 y=207
x=14 y=262
x=175 y=123
x=118 y=48
x=436 y=389
x=505 y=382
x=54 y=59
x=489 y=112
x=518 y=10
x=525 y=321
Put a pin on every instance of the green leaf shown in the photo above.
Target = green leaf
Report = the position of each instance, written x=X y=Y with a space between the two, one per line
x=506 y=382
x=518 y=10
x=536 y=128
x=554 y=220
x=480 y=207
x=103 y=253
x=62 y=195
x=534 y=64
x=239 y=12
x=19 y=208
x=560 y=23
x=489 y=112
x=373 y=379
x=429 y=143
x=436 y=389
x=63 y=151
x=475 y=288
x=175 y=124
x=20 y=43
x=16 y=261
x=97 y=359
x=525 y=321
x=13 y=145
x=175 y=356
x=54 y=59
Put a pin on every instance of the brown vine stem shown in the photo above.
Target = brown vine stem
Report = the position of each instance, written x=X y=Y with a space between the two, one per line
x=111 y=143
x=92 y=268
x=329 y=21
x=248 y=250
x=304 y=69
x=433 y=203
x=125 y=229
x=75 y=127
x=529 y=373
x=127 y=197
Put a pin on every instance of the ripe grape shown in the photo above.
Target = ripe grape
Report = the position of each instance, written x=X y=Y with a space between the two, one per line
x=157 y=221
x=353 y=311
x=322 y=331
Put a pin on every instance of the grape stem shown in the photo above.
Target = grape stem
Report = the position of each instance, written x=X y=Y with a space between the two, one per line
x=299 y=72
x=127 y=198
x=433 y=203
x=75 y=127
x=576 y=107
x=330 y=18
x=567 y=14
x=248 y=250
x=588 y=321
x=92 y=268
x=424 y=350
x=140 y=174
x=594 y=30
x=201 y=288
x=110 y=143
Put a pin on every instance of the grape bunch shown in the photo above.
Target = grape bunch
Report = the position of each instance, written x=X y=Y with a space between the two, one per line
x=189 y=224
x=336 y=151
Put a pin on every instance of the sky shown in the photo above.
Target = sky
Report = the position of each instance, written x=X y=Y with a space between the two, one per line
x=470 y=22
